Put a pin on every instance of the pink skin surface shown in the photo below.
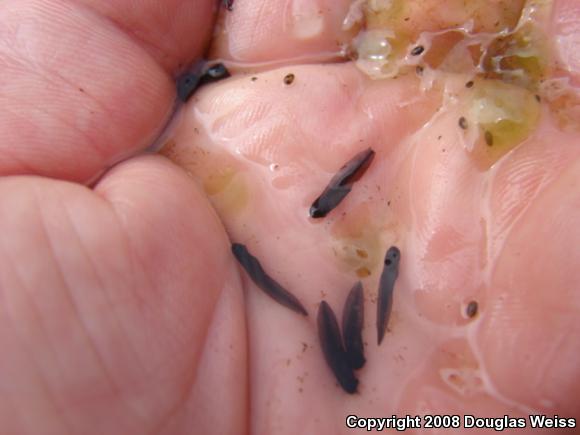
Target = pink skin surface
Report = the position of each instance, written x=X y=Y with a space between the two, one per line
x=121 y=307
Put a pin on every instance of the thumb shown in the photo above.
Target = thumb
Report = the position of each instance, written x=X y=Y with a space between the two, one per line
x=107 y=300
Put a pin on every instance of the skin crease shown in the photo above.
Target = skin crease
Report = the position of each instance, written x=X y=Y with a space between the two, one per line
x=122 y=309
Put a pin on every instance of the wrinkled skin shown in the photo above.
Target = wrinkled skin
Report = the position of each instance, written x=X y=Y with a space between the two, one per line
x=121 y=307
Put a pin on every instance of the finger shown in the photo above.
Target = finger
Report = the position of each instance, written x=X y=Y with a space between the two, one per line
x=107 y=301
x=565 y=28
x=173 y=32
x=322 y=30
x=271 y=30
x=86 y=83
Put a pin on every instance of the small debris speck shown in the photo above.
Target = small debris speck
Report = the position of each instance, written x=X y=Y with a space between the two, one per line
x=488 y=138
x=419 y=70
x=254 y=78
x=538 y=99
x=463 y=123
x=469 y=84
x=363 y=272
x=471 y=309
x=289 y=79
x=417 y=50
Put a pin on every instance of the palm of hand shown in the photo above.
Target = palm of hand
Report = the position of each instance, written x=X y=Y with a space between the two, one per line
x=122 y=309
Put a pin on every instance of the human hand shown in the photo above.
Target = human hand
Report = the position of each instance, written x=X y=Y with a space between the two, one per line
x=474 y=179
x=122 y=307
x=107 y=294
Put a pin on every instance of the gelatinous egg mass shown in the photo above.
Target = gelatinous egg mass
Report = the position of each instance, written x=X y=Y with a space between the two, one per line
x=228 y=190
x=501 y=40
x=505 y=114
x=518 y=58
x=499 y=47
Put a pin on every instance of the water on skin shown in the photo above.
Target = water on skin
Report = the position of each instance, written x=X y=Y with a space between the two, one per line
x=498 y=227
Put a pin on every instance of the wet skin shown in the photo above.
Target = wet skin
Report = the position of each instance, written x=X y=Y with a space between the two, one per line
x=122 y=309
